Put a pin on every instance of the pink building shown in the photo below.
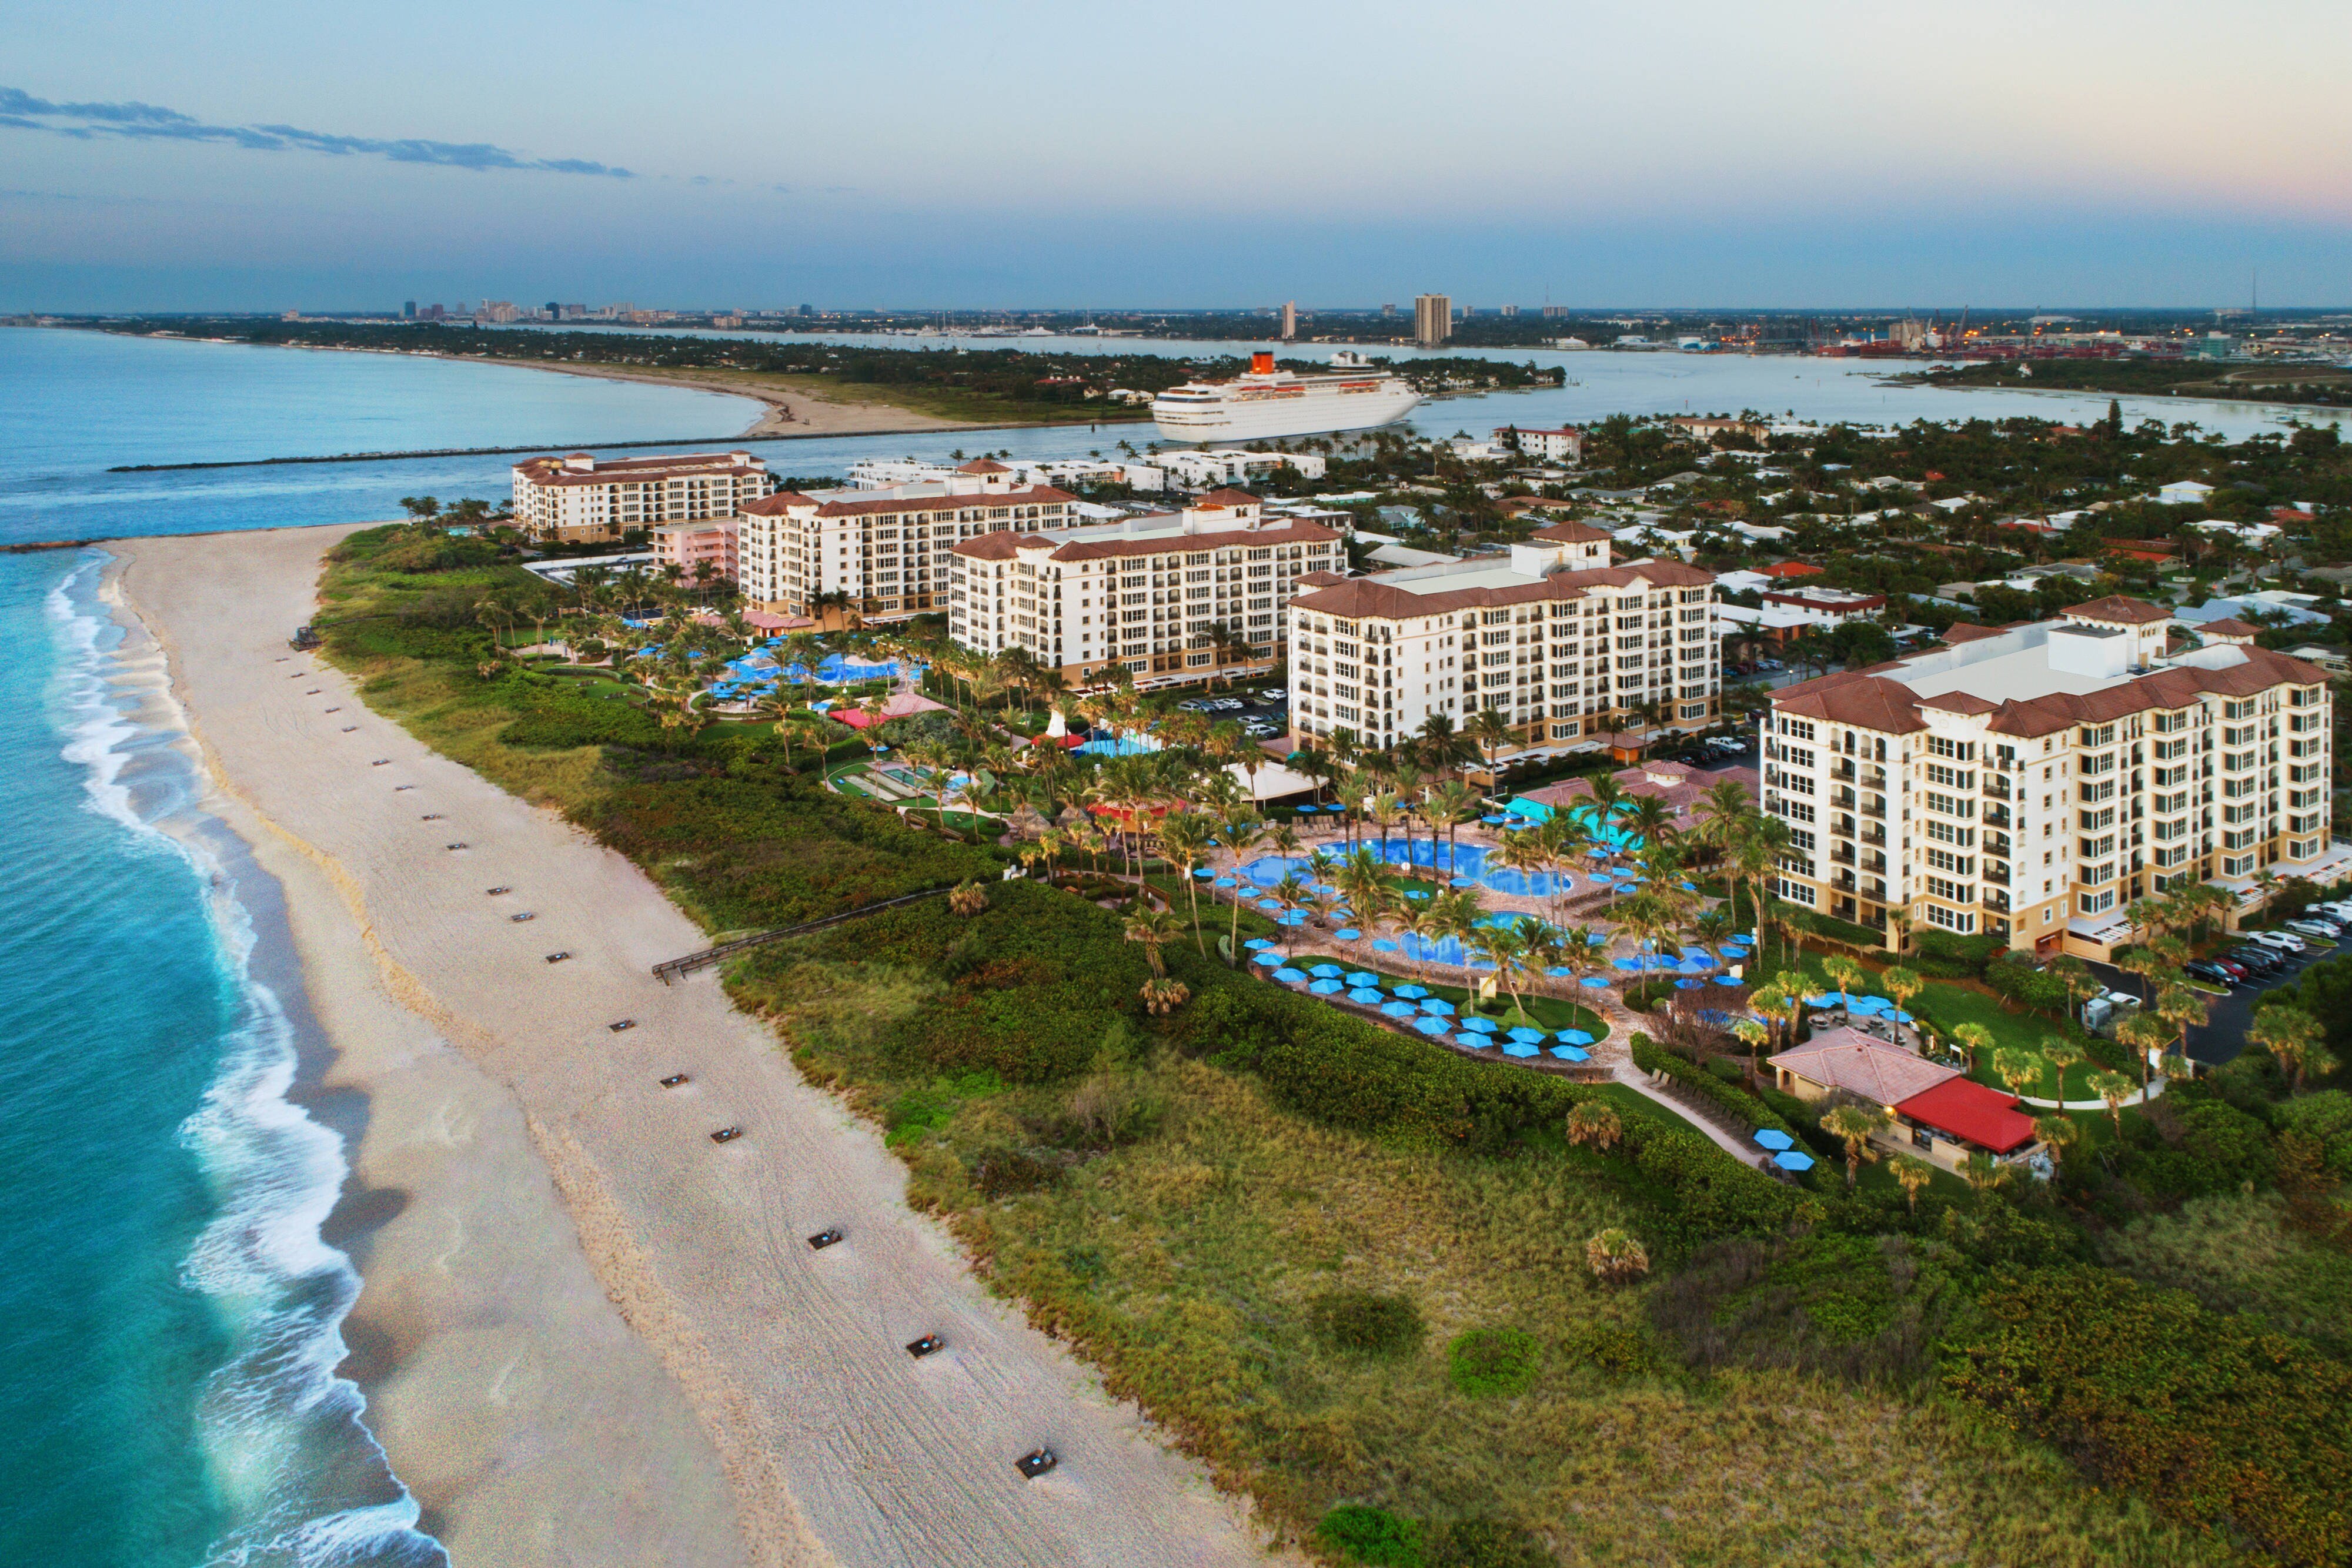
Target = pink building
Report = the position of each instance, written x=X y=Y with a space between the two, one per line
x=689 y=545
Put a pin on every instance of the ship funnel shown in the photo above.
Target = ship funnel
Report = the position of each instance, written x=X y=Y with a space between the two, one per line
x=1262 y=362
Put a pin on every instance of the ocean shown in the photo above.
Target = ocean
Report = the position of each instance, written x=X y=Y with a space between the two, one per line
x=170 y=1313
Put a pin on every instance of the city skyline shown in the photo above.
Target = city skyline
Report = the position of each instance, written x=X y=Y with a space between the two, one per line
x=1826 y=157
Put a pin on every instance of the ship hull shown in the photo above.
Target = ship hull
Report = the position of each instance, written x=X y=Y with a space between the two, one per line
x=1315 y=414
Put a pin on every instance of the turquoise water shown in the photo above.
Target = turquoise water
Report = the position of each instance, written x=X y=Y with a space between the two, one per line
x=168 y=1309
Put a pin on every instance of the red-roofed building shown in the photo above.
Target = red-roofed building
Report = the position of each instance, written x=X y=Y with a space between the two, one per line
x=899 y=705
x=1960 y=1117
x=1790 y=568
x=582 y=497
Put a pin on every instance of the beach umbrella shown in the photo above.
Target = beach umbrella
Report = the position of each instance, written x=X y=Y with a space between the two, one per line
x=1491 y=820
x=1595 y=981
x=1289 y=976
x=1558 y=973
x=1325 y=971
x=1384 y=945
x=1631 y=963
x=1326 y=987
x=1414 y=893
x=1574 y=1037
x=1432 y=1025
x=1526 y=1035
x=1266 y=956
x=1519 y=1048
x=1431 y=1005
x=1398 y=1010
x=1413 y=993
x=1730 y=980
x=1269 y=903
x=1462 y=882
x=1597 y=939
x=1224 y=882
x=1346 y=934
x=1362 y=977
x=1899 y=1016
x=1790 y=1160
x=1254 y=943
x=1773 y=1138
x=1826 y=1000
x=1296 y=917
x=1865 y=1006
x=1689 y=985
x=1692 y=966
x=1699 y=955
x=1572 y=1053
x=1202 y=870
x=1364 y=997
x=1481 y=1025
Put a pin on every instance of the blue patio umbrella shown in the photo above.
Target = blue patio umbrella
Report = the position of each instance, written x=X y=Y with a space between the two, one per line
x=1690 y=887
x=1289 y=976
x=1865 y=1005
x=1899 y=1016
x=1597 y=939
x=1773 y=1138
x=1266 y=956
x=1492 y=819
x=1432 y=1025
x=1202 y=870
x=1519 y=1048
x=1398 y=1010
x=1326 y=987
x=1436 y=1008
x=1269 y=903
x=1362 y=977
x=1224 y=882
x=1481 y=1025
x=1574 y=1037
x=1635 y=962
x=1826 y=1000
x=1595 y=981
x=1526 y=1035
x=1413 y=993
x=1790 y=1160
x=1462 y=882
x=1692 y=966
x=1346 y=934
x=1558 y=972
x=1296 y=917
x=1727 y=981
x=1700 y=954
x=1327 y=971
x=1415 y=893
x=1254 y=943
x=1384 y=945
x=1572 y=1053
x=1364 y=997
x=1689 y=985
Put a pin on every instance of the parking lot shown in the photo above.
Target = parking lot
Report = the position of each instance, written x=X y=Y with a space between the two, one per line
x=2223 y=1035
x=1265 y=712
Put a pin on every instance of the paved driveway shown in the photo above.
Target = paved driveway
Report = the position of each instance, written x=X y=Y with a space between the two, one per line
x=2224 y=1033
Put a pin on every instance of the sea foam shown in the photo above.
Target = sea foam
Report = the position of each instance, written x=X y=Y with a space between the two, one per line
x=304 y=1483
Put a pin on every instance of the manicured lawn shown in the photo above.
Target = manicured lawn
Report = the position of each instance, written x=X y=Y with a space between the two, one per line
x=1946 y=1007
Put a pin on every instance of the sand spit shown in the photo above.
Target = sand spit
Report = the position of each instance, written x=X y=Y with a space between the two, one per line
x=590 y=1334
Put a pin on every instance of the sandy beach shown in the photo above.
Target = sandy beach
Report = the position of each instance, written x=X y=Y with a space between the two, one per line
x=588 y=1334
x=787 y=415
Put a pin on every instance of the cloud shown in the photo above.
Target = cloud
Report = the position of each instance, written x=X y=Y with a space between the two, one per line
x=20 y=111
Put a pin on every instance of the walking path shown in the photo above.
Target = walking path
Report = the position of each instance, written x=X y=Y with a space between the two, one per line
x=2154 y=1087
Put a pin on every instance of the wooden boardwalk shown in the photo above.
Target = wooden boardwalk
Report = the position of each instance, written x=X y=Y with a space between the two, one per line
x=669 y=969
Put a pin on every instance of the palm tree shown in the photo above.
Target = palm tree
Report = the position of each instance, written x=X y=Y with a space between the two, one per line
x=2295 y=1039
x=1184 y=838
x=1448 y=805
x=1492 y=731
x=2018 y=1069
x=2115 y=1089
x=1912 y=1173
x=1615 y=1257
x=2061 y=1053
x=2147 y=964
x=1386 y=812
x=1595 y=1122
x=1902 y=984
x=2181 y=1009
x=1443 y=747
x=1848 y=974
x=1236 y=835
x=2147 y=1036
x=2075 y=976
x=1506 y=947
x=1975 y=1039
x=1152 y=927
x=1852 y=1126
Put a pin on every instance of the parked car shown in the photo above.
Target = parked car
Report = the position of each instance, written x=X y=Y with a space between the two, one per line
x=1194 y=704
x=2284 y=941
x=2237 y=970
x=2207 y=969
x=2325 y=929
x=2261 y=960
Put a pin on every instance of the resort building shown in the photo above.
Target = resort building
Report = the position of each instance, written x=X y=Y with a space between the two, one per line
x=1553 y=637
x=1168 y=595
x=1563 y=445
x=581 y=497
x=702 y=552
x=1786 y=614
x=1935 y=1112
x=2028 y=782
x=883 y=552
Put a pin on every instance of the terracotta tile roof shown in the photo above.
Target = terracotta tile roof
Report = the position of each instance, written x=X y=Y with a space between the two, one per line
x=1682 y=797
x=2115 y=607
x=1849 y=1060
x=1792 y=568
x=984 y=465
x=2230 y=628
x=1867 y=702
x=551 y=472
x=778 y=503
x=1003 y=545
x=1968 y=1110
x=1226 y=497
x=1369 y=596
x=1572 y=534
x=1962 y=632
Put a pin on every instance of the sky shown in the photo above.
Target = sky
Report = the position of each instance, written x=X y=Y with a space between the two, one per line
x=906 y=154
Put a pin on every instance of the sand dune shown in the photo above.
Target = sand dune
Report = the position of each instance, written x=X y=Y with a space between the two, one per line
x=753 y=1358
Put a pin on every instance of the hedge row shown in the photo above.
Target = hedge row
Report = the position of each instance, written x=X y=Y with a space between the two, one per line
x=1732 y=1101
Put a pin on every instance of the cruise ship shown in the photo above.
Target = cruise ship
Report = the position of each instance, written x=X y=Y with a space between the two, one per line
x=1268 y=403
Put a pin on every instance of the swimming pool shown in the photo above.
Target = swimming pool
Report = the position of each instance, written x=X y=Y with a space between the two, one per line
x=1443 y=864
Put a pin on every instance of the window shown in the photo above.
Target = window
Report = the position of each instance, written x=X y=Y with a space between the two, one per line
x=1957 y=750
x=1950 y=834
x=2104 y=735
x=1945 y=860
x=1950 y=806
x=1951 y=779
x=1951 y=919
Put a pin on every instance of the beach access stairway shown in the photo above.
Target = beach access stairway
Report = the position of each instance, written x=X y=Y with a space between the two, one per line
x=669 y=969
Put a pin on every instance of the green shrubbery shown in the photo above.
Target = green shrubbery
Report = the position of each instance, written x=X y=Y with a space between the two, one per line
x=1486 y=1363
x=1363 y=1322
x=1744 y=1109
x=1942 y=956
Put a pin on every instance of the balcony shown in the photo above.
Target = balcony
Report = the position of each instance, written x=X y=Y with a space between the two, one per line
x=1996 y=789
x=1996 y=873
x=1995 y=817
x=1996 y=902
x=1842 y=799
x=1875 y=837
x=1843 y=827
x=1844 y=769
x=1843 y=854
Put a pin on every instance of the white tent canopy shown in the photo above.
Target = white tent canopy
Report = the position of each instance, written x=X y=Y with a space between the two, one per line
x=1272 y=782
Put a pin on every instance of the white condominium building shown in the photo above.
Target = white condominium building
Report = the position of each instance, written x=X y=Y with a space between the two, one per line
x=581 y=497
x=2030 y=783
x=1554 y=637
x=883 y=552
x=1152 y=592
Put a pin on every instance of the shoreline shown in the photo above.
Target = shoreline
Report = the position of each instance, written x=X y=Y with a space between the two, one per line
x=589 y=1336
